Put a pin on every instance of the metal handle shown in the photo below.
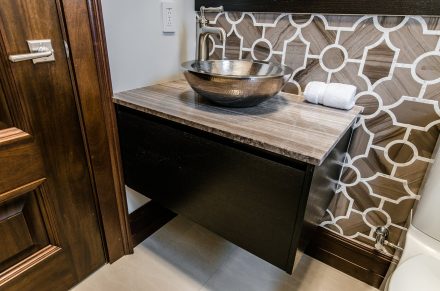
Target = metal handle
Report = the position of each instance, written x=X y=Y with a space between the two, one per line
x=42 y=52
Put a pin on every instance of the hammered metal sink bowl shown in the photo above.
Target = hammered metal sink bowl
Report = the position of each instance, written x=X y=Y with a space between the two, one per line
x=236 y=83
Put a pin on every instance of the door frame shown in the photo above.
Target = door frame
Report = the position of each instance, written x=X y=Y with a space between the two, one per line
x=84 y=30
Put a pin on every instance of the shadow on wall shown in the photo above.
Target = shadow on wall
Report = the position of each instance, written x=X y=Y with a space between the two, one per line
x=395 y=63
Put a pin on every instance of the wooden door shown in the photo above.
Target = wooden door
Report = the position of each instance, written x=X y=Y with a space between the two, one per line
x=50 y=235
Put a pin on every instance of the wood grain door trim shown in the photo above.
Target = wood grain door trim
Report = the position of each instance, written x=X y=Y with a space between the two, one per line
x=21 y=190
x=39 y=271
x=85 y=32
x=30 y=262
x=12 y=135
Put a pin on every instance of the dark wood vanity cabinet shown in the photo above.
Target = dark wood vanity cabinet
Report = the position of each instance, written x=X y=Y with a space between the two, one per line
x=265 y=203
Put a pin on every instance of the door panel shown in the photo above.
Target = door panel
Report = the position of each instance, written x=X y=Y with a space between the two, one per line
x=23 y=229
x=29 y=236
x=21 y=162
x=51 y=180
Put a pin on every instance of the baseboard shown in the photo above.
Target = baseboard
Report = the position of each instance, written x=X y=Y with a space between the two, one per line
x=146 y=220
x=356 y=260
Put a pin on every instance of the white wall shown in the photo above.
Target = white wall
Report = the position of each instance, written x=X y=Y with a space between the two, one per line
x=139 y=53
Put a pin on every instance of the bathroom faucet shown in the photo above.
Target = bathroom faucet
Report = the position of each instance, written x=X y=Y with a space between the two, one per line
x=381 y=234
x=204 y=31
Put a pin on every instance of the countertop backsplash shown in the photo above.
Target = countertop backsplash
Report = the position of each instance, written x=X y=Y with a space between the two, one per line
x=395 y=64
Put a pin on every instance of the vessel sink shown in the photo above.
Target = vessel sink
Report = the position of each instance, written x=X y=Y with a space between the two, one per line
x=236 y=83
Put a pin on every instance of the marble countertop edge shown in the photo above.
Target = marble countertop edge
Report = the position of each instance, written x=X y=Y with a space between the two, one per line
x=189 y=108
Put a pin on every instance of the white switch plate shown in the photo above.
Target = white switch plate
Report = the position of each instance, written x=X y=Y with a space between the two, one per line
x=168 y=16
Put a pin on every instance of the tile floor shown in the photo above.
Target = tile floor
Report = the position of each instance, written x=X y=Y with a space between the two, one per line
x=184 y=256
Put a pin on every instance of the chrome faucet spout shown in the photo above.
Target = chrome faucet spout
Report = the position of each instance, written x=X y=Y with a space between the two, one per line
x=214 y=30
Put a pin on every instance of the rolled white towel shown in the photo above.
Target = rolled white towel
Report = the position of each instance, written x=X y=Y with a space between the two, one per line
x=314 y=90
x=335 y=95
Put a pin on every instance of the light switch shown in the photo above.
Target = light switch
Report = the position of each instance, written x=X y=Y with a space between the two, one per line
x=168 y=16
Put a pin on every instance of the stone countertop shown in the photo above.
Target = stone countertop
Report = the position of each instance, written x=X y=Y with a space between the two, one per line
x=285 y=124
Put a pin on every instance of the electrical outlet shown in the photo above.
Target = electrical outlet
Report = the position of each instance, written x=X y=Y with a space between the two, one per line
x=168 y=16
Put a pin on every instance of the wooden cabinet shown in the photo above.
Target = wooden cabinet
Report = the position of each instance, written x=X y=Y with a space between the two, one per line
x=255 y=199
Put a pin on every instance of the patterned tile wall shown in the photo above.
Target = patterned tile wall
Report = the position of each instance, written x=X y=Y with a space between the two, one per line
x=395 y=64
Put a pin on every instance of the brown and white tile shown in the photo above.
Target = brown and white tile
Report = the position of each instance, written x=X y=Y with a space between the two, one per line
x=395 y=63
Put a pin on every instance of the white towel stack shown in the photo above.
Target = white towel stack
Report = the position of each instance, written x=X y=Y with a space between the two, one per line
x=335 y=95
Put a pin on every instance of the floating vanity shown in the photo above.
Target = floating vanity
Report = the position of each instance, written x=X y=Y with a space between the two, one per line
x=260 y=177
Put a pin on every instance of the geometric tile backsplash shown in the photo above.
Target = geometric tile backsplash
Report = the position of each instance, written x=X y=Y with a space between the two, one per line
x=395 y=64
